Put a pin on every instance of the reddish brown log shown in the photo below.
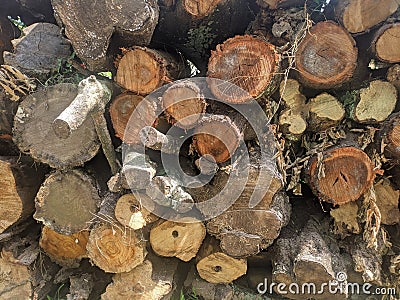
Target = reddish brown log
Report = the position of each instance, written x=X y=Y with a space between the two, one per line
x=386 y=43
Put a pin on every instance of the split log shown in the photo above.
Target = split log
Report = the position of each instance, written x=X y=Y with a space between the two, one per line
x=319 y=62
x=184 y=104
x=121 y=110
x=39 y=50
x=389 y=136
x=194 y=27
x=366 y=108
x=131 y=212
x=341 y=175
x=387 y=200
x=386 y=43
x=217 y=136
x=357 y=16
x=245 y=230
x=181 y=240
x=89 y=27
x=19 y=183
x=215 y=266
x=34 y=133
x=142 y=70
x=65 y=250
x=115 y=250
x=325 y=111
x=67 y=201
x=153 y=279
x=235 y=62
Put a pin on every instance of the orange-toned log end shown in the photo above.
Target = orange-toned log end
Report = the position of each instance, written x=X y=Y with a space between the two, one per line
x=200 y=8
x=245 y=66
x=65 y=250
x=342 y=175
x=390 y=136
x=114 y=249
x=386 y=44
x=217 y=136
x=327 y=56
x=121 y=110
x=184 y=104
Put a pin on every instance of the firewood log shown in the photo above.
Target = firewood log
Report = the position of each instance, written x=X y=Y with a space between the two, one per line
x=142 y=70
x=215 y=266
x=387 y=200
x=8 y=110
x=7 y=34
x=65 y=250
x=235 y=61
x=357 y=16
x=341 y=175
x=325 y=111
x=19 y=182
x=389 y=136
x=34 y=133
x=38 y=51
x=386 y=43
x=67 y=201
x=177 y=239
x=319 y=62
x=89 y=27
x=115 y=249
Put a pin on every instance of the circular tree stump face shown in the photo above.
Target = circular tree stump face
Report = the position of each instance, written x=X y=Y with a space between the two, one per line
x=245 y=66
x=327 y=56
x=342 y=175
x=387 y=44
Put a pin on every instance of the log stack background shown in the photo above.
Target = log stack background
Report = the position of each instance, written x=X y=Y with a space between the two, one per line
x=327 y=76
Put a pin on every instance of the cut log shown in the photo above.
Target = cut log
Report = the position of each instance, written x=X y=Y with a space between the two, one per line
x=194 y=27
x=34 y=134
x=325 y=111
x=244 y=230
x=366 y=109
x=293 y=119
x=89 y=27
x=65 y=250
x=121 y=110
x=130 y=212
x=218 y=136
x=319 y=62
x=19 y=183
x=215 y=266
x=357 y=16
x=81 y=286
x=154 y=279
x=142 y=70
x=167 y=192
x=387 y=200
x=346 y=219
x=8 y=110
x=181 y=240
x=393 y=76
x=115 y=250
x=184 y=104
x=39 y=50
x=138 y=170
x=67 y=201
x=389 y=136
x=156 y=140
x=386 y=43
x=232 y=66
x=341 y=175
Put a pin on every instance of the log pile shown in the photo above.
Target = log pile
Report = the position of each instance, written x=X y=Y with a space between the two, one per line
x=278 y=170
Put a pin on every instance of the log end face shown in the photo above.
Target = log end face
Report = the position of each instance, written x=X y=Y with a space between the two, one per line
x=61 y=129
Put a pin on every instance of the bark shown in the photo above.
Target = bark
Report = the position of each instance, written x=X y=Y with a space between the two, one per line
x=8 y=32
x=389 y=136
x=184 y=104
x=34 y=134
x=38 y=51
x=8 y=109
x=138 y=170
x=340 y=175
x=181 y=240
x=357 y=16
x=235 y=61
x=320 y=64
x=142 y=70
x=122 y=117
x=19 y=181
x=215 y=266
x=114 y=249
x=89 y=27
x=156 y=140
x=65 y=250
x=67 y=201
x=393 y=76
